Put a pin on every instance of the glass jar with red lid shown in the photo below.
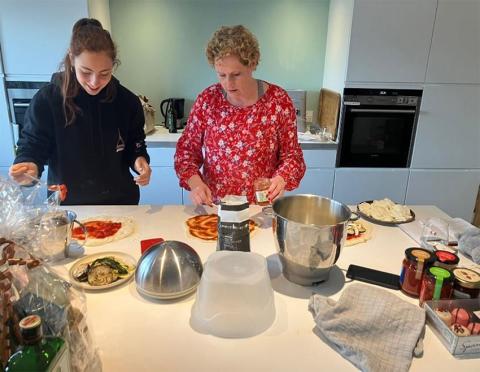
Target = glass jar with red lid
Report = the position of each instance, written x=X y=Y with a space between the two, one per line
x=437 y=284
x=466 y=283
x=446 y=259
x=416 y=261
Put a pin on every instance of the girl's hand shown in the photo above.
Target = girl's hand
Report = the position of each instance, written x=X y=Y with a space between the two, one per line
x=20 y=172
x=144 y=171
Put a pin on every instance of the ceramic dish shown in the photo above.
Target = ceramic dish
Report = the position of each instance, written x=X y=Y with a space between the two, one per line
x=123 y=257
x=381 y=222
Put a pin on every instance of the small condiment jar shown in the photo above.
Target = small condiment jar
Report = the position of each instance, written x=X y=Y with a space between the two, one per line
x=416 y=261
x=466 y=283
x=446 y=259
x=437 y=284
x=261 y=186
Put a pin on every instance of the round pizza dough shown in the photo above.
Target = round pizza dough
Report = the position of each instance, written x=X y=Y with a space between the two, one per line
x=127 y=229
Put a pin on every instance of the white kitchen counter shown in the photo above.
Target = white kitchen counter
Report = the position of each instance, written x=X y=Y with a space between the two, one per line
x=134 y=333
x=162 y=138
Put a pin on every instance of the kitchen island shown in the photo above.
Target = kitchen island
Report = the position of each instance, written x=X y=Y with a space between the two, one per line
x=134 y=333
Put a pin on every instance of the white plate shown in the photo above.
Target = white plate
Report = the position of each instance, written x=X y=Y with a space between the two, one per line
x=123 y=257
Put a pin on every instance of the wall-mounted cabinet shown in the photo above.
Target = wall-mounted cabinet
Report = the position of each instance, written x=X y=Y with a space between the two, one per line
x=455 y=51
x=453 y=191
x=34 y=35
x=448 y=130
x=354 y=185
x=390 y=40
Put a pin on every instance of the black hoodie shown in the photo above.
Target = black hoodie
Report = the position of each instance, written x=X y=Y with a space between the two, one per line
x=91 y=156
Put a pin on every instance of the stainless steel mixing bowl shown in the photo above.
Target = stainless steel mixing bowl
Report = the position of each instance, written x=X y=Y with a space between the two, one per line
x=310 y=231
x=168 y=270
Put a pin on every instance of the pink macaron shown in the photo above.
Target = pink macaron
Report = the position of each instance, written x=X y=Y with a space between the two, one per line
x=474 y=328
x=460 y=316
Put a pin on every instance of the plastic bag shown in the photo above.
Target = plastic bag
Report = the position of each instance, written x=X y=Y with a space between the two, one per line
x=24 y=212
x=30 y=287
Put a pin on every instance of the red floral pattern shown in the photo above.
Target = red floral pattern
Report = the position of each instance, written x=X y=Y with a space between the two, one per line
x=237 y=145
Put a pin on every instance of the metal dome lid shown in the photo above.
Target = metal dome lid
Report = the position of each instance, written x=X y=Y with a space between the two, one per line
x=168 y=270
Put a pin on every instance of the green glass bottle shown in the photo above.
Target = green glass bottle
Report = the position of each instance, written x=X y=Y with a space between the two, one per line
x=39 y=353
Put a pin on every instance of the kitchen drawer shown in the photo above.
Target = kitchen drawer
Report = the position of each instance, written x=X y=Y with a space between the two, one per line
x=161 y=156
x=321 y=158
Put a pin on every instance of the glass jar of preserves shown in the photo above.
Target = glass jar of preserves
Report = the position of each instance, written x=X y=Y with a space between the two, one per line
x=466 y=283
x=261 y=186
x=437 y=284
x=416 y=261
x=445 y=259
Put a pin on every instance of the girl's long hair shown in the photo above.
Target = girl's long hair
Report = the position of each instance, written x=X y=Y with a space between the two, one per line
x=87 y=34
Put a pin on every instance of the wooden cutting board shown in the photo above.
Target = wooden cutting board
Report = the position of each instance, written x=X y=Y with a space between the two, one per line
x=329 y=110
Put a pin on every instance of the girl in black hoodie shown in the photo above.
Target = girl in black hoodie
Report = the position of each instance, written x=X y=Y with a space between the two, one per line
x=86 y=127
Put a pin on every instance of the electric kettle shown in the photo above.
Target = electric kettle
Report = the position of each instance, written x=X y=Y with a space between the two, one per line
x=175 y=105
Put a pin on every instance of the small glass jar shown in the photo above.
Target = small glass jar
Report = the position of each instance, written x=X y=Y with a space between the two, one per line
x=447 y=260
x=261 y=186
x=437 y=284
x=466 y=283
x=416 y=261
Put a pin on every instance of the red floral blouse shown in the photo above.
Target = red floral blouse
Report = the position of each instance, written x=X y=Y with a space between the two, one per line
x=237 y=145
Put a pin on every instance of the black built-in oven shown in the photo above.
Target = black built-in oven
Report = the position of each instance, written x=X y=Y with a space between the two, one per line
x=20 y=93
x=378 y=127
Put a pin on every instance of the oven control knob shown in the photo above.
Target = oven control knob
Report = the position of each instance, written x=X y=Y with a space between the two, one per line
x=400 y=100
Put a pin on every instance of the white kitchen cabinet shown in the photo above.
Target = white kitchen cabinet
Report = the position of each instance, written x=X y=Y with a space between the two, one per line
x=320 y=157
x=448 y=130
x=6 y=136
x=34 y=35
x=353 y=185
x=390 y=40
x=455 y=51
x=317 y=182
x=453 y=191
x=162 y=189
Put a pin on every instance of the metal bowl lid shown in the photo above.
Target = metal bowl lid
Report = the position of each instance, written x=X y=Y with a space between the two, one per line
x=168 y=270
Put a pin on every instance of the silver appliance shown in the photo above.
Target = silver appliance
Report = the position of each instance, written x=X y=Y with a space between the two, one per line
x=19 y=94
x=299 y=99
x=309 y=232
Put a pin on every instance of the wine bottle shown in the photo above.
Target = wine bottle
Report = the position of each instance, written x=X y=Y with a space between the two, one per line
x=39 y=353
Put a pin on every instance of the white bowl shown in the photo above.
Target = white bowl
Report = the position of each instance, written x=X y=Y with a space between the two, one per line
x=234 y=297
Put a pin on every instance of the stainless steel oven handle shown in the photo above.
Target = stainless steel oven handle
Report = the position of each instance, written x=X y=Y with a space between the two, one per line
x=384 y=111
x=21 y=104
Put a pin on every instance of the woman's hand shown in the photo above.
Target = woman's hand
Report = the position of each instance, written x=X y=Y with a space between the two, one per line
x=144 y=171
x=277 y=188
x=200 y=193
x=20 y=172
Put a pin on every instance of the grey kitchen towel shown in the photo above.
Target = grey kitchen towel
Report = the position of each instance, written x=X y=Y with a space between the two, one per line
x=469 y=244
x=372 y=328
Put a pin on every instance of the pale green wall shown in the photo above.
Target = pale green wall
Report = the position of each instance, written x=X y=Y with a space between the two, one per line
x=161 y=43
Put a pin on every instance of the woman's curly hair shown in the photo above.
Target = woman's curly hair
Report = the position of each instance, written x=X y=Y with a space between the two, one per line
x=234 y=40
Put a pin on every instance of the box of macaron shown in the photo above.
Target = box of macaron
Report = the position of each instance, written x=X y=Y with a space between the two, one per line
x=457 y=323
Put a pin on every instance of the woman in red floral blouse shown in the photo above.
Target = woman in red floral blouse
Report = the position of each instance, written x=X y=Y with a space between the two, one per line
x=239 y=129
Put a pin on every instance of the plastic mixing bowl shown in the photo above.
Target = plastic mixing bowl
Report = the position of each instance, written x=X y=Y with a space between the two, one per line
x=234 y=297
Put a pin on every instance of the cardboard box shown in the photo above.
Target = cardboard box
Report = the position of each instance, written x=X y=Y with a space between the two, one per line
x=460 y=347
